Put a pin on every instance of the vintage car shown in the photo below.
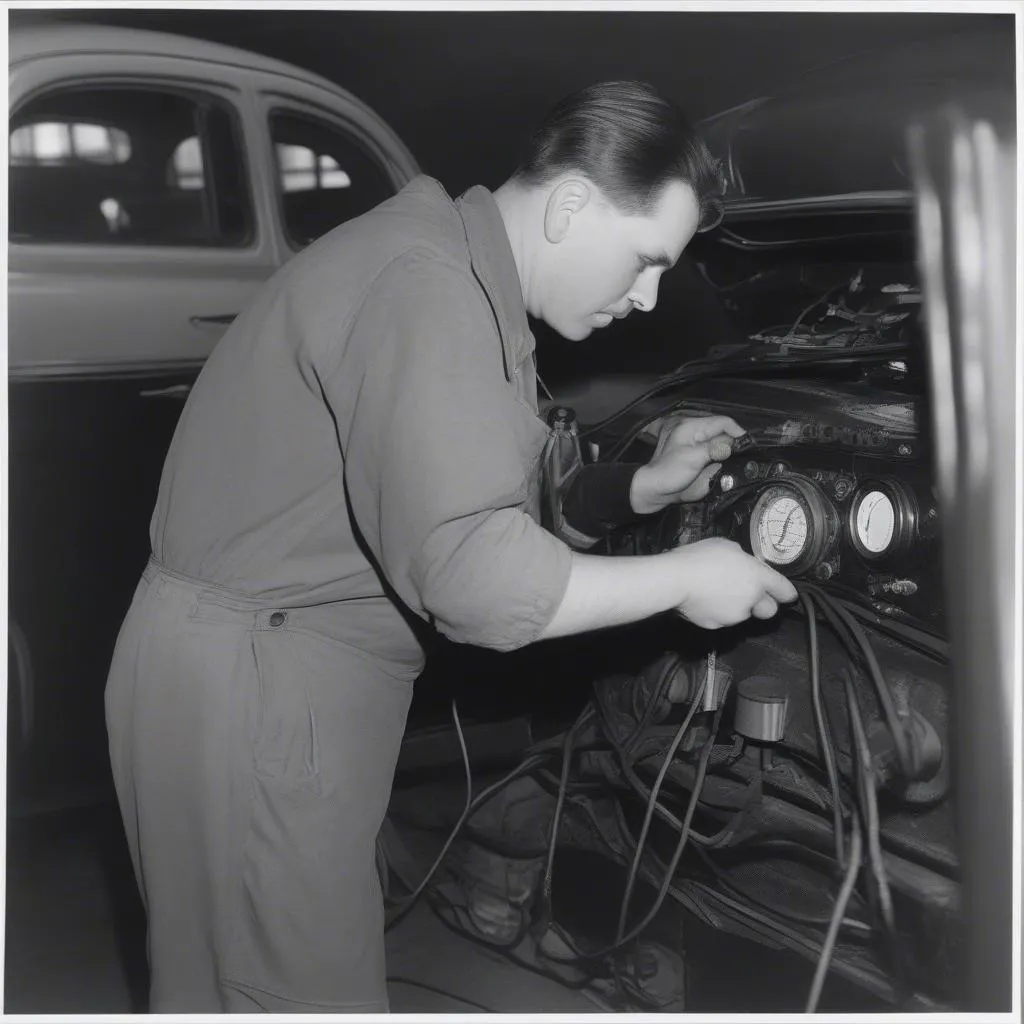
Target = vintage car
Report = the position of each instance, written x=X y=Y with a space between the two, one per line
x=823 y=800
x=155 y=182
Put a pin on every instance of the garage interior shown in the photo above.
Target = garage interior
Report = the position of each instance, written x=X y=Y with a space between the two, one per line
x=461 y=89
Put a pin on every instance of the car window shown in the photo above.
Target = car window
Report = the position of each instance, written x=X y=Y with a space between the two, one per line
x=128 y=166
x=324 y=175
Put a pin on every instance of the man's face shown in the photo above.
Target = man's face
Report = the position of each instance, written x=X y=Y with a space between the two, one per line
x=609 y=263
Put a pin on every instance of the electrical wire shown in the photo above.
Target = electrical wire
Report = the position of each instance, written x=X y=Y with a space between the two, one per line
x=824 y=736
x=873 y=824
x=724 y=880
x=404 y=906
x=845 y=891
x=570 y=736
x=817 y=302
x=395 y=979
x=885 y=700
x=503 y=949
x=769 y=362
x=916 y=638
x=684 y=833
x=870 y=802
x=750 y=365
x=649 y=814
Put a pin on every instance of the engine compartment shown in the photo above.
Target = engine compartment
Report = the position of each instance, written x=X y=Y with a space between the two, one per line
x=785 y=781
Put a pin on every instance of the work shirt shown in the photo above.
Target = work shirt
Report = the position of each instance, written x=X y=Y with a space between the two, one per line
x=364 y=440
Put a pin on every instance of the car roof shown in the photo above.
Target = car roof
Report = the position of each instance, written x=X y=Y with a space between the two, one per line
x=54 y=40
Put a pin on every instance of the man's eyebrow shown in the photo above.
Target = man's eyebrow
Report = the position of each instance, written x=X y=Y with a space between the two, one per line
x=659 y=259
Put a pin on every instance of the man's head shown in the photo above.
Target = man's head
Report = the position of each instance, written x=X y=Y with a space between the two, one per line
x=618 y=184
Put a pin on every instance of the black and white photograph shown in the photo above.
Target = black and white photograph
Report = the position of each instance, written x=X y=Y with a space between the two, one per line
x=513 y=508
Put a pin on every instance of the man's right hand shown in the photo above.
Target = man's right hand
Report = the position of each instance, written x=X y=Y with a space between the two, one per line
x=725 y=585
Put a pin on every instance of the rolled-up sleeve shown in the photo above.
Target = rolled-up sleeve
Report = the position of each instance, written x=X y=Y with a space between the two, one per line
x=439 y=455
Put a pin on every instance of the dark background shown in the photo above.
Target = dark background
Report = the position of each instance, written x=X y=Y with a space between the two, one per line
x=463 y=89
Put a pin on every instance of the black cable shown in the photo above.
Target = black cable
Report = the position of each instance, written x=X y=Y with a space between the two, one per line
x=842 y=900
x=669 y=755
x=878 y=679
x=684 y=834
x=501 y=949
x=724 y=879
x=873 y=825
x=824 y=736
x=404 y=906
x=395 y=979
x=817 y=302
x=911 y=635
x=763 y=363
x=570 y=736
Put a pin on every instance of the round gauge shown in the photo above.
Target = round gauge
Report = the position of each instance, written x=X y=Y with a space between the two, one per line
x=882 y=519
x=875 y=521
x=791 y=524
x=782 y=530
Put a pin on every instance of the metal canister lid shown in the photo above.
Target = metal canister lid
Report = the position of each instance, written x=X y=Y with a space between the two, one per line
x=761 y=708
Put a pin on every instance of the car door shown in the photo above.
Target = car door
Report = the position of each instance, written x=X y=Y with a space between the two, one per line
x=136 y=234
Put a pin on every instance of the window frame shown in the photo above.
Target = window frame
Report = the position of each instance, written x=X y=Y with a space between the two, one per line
x=301 y=110
x=231 y=98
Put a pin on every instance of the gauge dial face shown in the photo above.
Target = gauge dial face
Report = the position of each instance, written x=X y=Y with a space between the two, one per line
x=875 y=521
x=781 y=527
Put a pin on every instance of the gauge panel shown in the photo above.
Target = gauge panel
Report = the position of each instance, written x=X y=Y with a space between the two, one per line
x=792 y=525
x=882 y=519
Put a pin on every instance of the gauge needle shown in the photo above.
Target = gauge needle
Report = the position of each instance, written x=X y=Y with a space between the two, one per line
x=785 y=525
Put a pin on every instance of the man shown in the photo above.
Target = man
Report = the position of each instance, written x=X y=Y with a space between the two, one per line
x=357 y=466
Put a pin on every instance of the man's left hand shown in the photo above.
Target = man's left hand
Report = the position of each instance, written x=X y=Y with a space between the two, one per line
x=688 y=455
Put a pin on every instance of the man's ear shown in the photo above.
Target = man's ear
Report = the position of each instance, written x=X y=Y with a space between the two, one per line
x=566 y=199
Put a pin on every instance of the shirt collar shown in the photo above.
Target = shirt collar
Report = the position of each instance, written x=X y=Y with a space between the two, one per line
x=490 y=254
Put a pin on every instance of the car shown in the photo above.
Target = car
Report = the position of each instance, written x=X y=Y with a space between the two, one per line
x=155 y=182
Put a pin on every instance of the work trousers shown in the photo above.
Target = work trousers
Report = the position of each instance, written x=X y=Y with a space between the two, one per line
x=253 y=760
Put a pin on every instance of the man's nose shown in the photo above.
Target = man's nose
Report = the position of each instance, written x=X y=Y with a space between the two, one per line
x=644 y=294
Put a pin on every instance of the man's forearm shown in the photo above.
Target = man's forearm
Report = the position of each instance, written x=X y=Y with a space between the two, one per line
x=614 y=591
x=712 y=583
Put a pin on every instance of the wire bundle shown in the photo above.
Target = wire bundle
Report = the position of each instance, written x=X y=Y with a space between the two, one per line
x=855 y=822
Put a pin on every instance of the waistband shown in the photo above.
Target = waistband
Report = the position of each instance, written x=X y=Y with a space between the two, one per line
x=391 y=643
x=216 y=603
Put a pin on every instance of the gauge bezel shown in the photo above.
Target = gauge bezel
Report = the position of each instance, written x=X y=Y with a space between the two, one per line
x=821 y=522
x=905 y=518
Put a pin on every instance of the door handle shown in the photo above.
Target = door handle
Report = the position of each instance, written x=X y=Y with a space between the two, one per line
x=173 y=391
x=213 y=320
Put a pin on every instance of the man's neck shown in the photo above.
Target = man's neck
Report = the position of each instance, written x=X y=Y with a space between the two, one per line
x=519 y=212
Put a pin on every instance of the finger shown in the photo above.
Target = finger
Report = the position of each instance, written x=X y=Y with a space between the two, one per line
x=701 y=483
x=765 y=608
x=712 y=425
x=720 y=447
x=780 y=588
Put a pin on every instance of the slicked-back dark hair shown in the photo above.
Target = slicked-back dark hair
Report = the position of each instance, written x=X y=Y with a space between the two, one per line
x=631 y=142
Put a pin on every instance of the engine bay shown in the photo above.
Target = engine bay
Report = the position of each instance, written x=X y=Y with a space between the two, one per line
x=784 y=781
